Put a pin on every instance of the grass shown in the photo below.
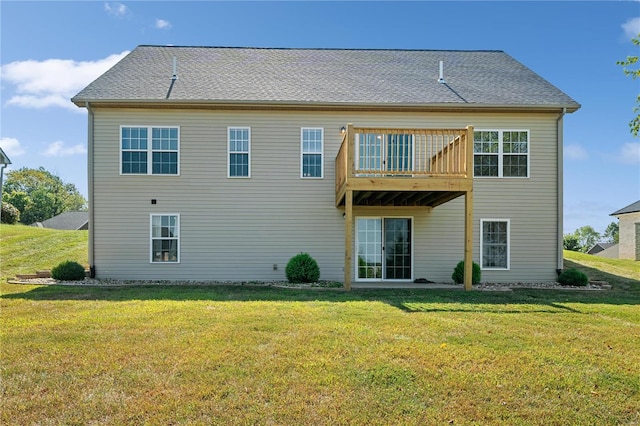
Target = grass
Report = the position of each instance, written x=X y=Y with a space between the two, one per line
x=252 y=355
x=25 y=249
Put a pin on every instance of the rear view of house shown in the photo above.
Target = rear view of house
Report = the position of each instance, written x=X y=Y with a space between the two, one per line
x=211 y=163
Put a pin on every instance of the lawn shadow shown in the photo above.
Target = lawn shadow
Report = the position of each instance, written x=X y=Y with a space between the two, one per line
x=408 y=300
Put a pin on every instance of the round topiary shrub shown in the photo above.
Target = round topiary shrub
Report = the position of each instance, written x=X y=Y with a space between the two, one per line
x=573 y=277
x=458 y=273
x=68 y=271
x=10 y=214
x=302 y=268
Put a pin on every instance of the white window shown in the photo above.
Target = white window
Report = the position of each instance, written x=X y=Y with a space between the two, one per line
x=501 y=153
x=141 y=145
x=495 y=243
x=239 y=145
x=165 y=238
x=312 y=149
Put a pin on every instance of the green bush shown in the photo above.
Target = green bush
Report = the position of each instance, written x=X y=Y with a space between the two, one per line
x=573 y=277
x=68 y=271
x=458 y=273
x=10 y=214
x=302 y=268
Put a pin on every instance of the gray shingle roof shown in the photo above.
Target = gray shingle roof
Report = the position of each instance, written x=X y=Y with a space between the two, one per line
x=324 y=76
x=71 y=221
x=631 y=208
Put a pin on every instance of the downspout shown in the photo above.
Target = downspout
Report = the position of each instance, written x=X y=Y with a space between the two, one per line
x=92 y=266
x=560 y=207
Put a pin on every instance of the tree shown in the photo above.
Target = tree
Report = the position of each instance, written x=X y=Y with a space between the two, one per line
x=587 y=237
x=632 y=61
x=40 y=195
x=611 y=234
x=10 y=214
x=570 y=242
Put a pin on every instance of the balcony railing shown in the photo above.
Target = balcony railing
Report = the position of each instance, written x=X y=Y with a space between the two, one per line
x=396 y=153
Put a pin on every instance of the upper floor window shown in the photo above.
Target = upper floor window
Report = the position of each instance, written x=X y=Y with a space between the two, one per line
x=312 y=148
x=239 y=151
x=165 y=238
x=140 y=146
x=501 y=153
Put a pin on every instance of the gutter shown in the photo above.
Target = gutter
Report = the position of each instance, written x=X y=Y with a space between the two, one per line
x=90 y=167
x=248 y=104
x=560 y=190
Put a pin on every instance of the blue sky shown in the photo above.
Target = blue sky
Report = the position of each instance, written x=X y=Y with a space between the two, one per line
x=51 y=50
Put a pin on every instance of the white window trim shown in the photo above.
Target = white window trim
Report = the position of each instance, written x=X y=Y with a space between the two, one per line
x=149 y=150
x=501 y=154
x=229 y=152
x=302 y=152
x=411 y=218
x=151 y=239
x=508 y=221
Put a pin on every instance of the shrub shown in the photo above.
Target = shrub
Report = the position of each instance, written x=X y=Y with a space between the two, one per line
x=573 y=277
x=302 y=268
x=458 y=273
x=10 y=214
x=68 y=271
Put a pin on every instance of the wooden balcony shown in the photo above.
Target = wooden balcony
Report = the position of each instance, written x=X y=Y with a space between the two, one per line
x=404 y=167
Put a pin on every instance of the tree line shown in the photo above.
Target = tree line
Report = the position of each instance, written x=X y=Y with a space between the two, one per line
x=35 y=195
x=585 y=237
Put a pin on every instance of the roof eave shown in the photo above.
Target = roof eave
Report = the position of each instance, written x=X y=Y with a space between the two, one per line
x=82 y=103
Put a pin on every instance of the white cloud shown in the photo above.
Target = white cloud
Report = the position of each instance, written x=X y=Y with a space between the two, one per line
x=116 y=9
x=631 y=27
x=52 y=82
x=58 y=149
x=161 y=24
x=575 y=152
x=630 y=153
x=11 y=147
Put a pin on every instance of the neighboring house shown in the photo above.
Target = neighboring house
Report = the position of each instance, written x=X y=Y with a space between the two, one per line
x=599 y=247
x=629 y=231
x=211 y=163
x=612 y=252
x=70 y=221
x=608 y=250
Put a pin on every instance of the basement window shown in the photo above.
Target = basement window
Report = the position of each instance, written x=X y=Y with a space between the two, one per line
x=165 y=238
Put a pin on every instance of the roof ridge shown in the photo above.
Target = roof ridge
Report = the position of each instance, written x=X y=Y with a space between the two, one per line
x=348 y=49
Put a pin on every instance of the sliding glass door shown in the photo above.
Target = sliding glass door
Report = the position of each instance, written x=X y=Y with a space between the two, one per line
x=378 y=153
x=384 y=250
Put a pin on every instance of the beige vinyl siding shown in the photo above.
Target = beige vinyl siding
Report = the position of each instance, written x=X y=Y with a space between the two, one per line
x=237 y=229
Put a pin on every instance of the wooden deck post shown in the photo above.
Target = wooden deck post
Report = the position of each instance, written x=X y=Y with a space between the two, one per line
x=348 y=239
x=468 y=213
x=468 y=239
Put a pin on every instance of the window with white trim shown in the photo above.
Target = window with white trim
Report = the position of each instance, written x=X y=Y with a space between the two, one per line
x=311 y=153
x=165 y=238
x=141 y=145
x=495 y=243
x=239 y=151
x=501 y=153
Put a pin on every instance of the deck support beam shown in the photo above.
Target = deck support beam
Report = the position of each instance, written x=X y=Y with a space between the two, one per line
x=468 y=239
x=468 y=213
x=348 y=238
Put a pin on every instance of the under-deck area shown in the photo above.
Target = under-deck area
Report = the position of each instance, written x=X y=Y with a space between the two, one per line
x=404 y=167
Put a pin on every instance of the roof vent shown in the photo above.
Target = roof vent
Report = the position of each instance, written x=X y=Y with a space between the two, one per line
x=175 y=69
x=441 y=78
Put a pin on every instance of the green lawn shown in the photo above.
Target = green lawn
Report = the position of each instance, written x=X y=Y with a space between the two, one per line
x=246 y=355
x=25 y=249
